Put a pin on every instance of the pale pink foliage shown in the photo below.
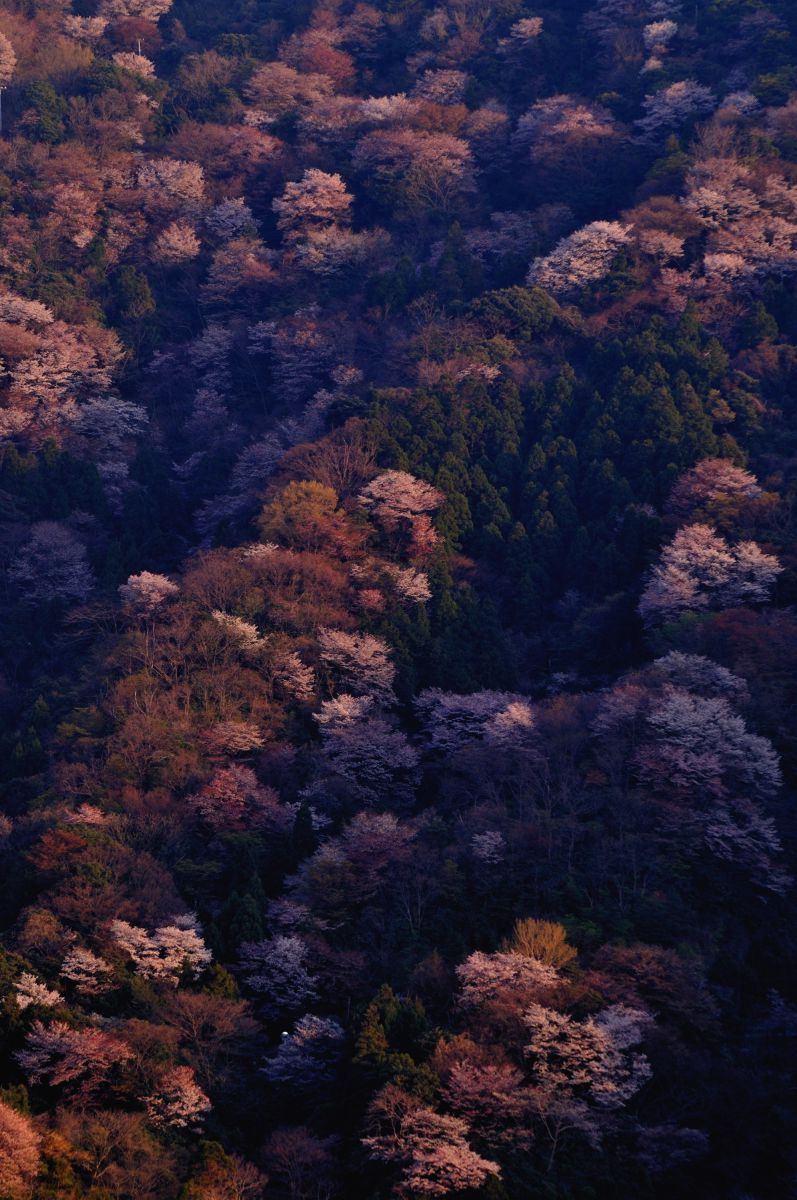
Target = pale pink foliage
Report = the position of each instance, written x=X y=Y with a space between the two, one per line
x=563 y=121
x=505 y=976
x=235 y=737
x=86 y=971
x=31 y=992
x=711 y=479
x=360 y=661
x=425 y=170
x=146 y=10
x=136 y=64
x=147 y=591
x=171 y=182
x=591 y=1059
x=396 y=496
x=316 y=200
x=177 y=243
x=584 y=257
x=166 y=952
x=699 y=570
x=430 y=1150
x=8 y=61
x=235 y=799
x=177 y=1102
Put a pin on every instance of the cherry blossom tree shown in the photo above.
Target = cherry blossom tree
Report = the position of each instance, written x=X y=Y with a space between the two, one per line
x=703 y=776
x=19 y=1153
x=487 y=1091
x=429 y=1150
x=167 y=952
x=372 y=759
x=170 y=183
x=700 y=570
x=673 y=107
x=309 y=1056
x=17 y=310
x=234 y=799
x=414 y=169
x=31 y=992
x=52 y=565
x=276 y=970
x=488 y=847
x=277 y=89
x=395 y=497
x=592 y=1059
x=85 y=29
x=506 y=977
x=697 y=674
x=8 y=61
x=147 y=592
x=563 y=125
x=441 y=86
x=177 y=1102
x=146 y=10
x=232 y=218
x=451 y=720
x=235 y=737
x=87 y=972
x=136 y=64
x=177 y=243
x=78 y=1058
x=107 y=423
x=711 y=479
x=360 y=662
x=332 y=250
x=526 y=31
x=584 y=257
x=317 y=200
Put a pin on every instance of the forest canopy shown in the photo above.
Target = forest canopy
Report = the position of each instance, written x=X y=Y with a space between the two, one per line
x=398 y=671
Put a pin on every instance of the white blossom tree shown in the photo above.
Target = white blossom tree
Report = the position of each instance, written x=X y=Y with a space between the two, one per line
x=397 y=496
x=8 y=61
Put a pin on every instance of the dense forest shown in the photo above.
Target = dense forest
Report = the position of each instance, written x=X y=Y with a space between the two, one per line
x=398 y=555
